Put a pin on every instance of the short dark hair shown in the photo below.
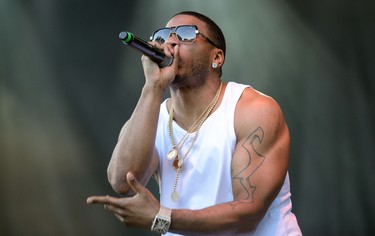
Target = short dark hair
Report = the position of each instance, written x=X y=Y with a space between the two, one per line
x=215 y=33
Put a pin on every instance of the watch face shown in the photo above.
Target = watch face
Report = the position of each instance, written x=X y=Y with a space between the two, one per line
x=160 y=225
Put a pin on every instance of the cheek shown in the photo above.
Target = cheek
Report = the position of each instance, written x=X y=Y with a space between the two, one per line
x=184 y=63
x=188 y=51
x=191 y=59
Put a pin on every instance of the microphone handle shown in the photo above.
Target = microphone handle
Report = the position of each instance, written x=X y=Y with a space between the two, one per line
x=146 y=49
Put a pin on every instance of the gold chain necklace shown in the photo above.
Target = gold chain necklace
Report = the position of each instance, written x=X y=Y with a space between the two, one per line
x=173 y=154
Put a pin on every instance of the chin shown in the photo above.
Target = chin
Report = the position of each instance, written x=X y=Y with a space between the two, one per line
x=177 y=83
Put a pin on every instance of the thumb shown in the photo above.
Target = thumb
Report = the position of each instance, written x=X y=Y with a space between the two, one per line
x=133 y=183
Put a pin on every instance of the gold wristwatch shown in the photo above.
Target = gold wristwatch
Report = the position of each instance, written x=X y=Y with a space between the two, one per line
x=162 y=221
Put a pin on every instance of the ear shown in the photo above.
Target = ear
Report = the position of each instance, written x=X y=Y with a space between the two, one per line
x=218 y=57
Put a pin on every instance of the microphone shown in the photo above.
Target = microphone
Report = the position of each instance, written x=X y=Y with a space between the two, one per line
x=146 y=49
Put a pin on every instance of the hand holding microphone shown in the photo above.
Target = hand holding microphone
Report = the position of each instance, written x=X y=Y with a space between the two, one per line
x=146 y=49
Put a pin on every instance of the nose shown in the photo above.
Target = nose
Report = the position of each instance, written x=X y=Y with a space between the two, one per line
x=172 y=39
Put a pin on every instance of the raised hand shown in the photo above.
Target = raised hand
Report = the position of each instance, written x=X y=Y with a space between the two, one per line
x=137 y=211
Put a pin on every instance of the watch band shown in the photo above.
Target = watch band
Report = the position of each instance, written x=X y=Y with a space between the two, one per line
x=162 y=220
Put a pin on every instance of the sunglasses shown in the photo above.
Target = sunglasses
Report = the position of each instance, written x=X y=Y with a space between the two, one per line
x=184 y=34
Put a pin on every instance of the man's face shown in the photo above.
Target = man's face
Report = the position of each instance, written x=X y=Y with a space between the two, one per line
x=194 y=62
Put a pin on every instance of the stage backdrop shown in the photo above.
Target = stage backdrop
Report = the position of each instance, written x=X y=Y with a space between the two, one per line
x=68 y=84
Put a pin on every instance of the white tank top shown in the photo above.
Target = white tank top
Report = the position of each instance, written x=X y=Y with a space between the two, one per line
x=205 y=178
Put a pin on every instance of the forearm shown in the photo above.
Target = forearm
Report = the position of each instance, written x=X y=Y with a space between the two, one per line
x=135 y=146
x=228 y=218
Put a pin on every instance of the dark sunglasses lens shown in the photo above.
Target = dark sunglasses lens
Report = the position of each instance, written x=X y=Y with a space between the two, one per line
x=161 y=35
x=186 y=33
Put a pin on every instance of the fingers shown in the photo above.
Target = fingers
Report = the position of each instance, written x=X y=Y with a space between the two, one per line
x=131 y=211
x=121 y=219
x=95 y=199
x=116 y=206
x=111 y=204
x=133 y=183
x=106 y=200
x=114 y=210
x=167 y=48
x=156 y=45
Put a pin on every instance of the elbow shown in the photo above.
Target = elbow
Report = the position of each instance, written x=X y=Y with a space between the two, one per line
x=245 y=228
x=118 y=182
x=120 y=187
x=248 y=224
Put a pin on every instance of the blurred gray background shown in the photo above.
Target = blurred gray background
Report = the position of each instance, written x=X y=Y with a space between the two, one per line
x=67 y=85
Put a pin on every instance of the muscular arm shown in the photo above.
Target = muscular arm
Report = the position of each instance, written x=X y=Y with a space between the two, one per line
x=135 y=147
x=135 y=150
x=259 y=166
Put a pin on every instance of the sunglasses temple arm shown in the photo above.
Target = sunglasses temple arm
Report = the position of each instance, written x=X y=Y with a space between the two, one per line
x=146 y=49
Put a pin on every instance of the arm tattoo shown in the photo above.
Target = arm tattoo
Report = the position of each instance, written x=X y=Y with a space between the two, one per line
x=255 y=160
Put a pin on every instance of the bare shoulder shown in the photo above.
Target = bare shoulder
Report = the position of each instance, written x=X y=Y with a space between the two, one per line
x=253 y=99
x=258 y=111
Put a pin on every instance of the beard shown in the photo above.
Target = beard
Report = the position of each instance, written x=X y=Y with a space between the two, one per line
x=193 y=75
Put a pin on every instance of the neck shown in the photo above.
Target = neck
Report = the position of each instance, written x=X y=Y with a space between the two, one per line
x=188 y=104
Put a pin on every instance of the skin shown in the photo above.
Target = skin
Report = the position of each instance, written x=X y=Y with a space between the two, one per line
x=259 y=162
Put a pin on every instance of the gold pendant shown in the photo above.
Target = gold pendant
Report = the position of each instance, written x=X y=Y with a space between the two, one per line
x=175 y=196
x=180 y=162
x=175 y=164
x=172 y=154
